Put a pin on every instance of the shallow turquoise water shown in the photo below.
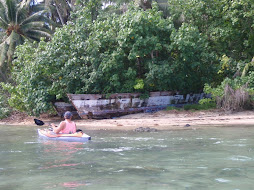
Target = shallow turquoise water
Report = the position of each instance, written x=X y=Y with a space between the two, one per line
x=214 y=158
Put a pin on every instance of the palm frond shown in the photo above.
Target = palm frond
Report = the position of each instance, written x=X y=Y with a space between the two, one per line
x=14 y=40
x=3 y=16
x=31 y=25
x=22 y=20
x=36 y=34
x=45 y=29
x=247 y=67
x=21 y=14
x=2 y=8
x=1 y=4
x=39 y=18
x=37 y=7
x=3 y=23
x=35 y=17
x=12 y=9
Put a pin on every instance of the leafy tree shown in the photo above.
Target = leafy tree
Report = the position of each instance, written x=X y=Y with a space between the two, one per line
x=187 y=70
x=127 y=45
x=121 y=6
x=45 y=72
x=138 y=51
x=32 y=81
x=20 y=20
x=227 y=24
x=91 y=6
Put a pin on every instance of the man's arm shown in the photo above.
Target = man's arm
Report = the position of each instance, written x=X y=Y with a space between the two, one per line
x=59 y=128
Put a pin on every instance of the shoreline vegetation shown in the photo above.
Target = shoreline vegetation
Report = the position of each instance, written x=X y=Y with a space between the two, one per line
x=161 y=120
x=126 y=47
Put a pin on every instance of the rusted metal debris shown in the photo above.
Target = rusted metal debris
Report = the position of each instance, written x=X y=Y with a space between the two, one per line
x=62 y=107
x=99 y=106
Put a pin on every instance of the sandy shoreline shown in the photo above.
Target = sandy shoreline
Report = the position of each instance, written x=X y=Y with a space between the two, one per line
x=162 y=120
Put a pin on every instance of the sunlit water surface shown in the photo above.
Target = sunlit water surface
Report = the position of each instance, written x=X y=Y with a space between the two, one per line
x=213 y=158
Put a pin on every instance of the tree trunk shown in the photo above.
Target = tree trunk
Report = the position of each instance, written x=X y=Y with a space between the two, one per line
x=59 y=14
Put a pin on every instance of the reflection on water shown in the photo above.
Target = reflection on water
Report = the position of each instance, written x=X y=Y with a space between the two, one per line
x=218 y=158
x=65 y=151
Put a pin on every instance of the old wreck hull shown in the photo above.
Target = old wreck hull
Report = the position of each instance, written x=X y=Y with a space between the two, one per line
x=62 y=107
x=99 y=106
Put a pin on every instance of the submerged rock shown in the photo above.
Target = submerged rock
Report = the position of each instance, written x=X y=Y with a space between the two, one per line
x=145 y=129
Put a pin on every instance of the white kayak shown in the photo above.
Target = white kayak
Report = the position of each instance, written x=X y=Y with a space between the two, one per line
x=75 y=137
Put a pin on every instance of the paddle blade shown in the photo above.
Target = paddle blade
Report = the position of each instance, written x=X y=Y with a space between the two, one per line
x=38 y=122
x=79 y=130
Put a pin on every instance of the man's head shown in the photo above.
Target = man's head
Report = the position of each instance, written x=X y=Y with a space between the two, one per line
x=67 y=115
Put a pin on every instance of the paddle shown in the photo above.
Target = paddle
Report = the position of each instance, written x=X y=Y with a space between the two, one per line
x=40 y=123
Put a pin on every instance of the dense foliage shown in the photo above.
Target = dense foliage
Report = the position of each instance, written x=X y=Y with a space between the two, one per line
x=235 y=93
x=227 y=24
x=138 y=51
x=190 y=44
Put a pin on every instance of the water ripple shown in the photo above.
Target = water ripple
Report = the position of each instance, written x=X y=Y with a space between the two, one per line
x=218 y=142
x=241 y=158
x=221 y=180
x=240 y=145
x=120 y=149
x=138 y=138
x=12 y=151
x=30 y=142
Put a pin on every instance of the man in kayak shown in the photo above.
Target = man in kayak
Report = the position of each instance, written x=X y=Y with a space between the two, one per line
x=67 y=126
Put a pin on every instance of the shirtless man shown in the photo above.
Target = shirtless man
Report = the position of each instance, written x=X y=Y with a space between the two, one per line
x=67 y=126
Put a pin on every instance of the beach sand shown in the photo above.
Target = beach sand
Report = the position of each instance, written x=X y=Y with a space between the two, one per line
x=162 y=120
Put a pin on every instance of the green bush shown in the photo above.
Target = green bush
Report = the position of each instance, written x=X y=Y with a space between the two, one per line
x=206 y=106
x=173 y=108
x=233 y=94
x=4 y=108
